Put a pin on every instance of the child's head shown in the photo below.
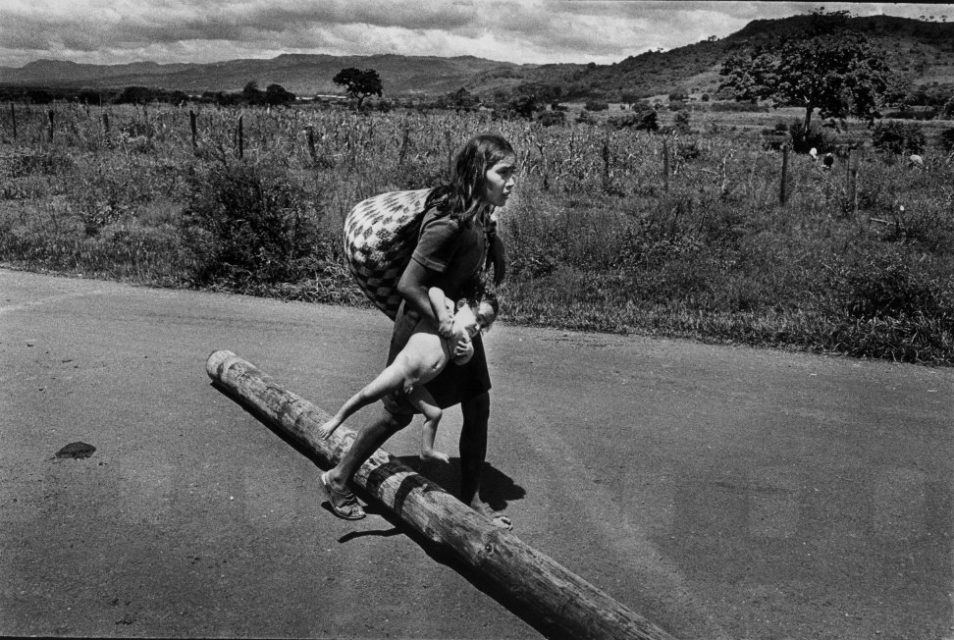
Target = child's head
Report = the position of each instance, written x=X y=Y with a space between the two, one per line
x=487 y=310
x=476 y=317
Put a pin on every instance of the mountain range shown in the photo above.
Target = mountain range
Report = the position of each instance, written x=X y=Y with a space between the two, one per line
x=923 y=51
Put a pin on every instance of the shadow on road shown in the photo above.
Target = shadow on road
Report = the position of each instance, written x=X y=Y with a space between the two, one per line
x=496 y=488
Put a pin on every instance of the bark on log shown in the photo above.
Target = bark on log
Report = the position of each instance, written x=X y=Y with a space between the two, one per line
x=555 y=595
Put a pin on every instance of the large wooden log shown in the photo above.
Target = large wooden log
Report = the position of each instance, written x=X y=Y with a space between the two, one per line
x=537 y=584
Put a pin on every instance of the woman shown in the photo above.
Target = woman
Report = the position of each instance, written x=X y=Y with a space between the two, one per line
x=455 y=240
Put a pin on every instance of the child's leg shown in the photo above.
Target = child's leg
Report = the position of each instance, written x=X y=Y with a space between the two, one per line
x=391 y=379
x=425 y=403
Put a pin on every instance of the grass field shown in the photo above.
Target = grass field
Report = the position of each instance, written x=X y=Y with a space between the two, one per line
x=610 y=230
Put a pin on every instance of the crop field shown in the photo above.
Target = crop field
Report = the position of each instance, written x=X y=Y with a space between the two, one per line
x=707 y=233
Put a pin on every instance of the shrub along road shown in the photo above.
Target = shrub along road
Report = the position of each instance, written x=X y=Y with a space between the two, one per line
x=719 y=491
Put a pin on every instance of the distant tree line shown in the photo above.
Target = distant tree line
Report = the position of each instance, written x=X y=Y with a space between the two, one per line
x=273 y=95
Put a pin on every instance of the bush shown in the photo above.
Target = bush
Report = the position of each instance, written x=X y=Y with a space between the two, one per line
x=550 y=118
x=247 y=225
x=743 y=107
x=817 y=137
x=645 y=120
x=681 y=121
x=524 y=106
x=887 y=286
x=947 y=140
x=947 y=111
x=898 y=137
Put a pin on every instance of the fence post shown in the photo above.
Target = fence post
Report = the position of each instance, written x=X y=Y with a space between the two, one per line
x=666 y=166
x=854 y=182
x=849 y=183
x=404 y=143
x=450 y=151
x=193 y=128
x=241 y=141
x=105 y=120
x=13 y=120
x=51 y=116
x=310 y=131
x=782 y=193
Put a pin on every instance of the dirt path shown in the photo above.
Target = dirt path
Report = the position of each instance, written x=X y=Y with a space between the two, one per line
x=721 y=492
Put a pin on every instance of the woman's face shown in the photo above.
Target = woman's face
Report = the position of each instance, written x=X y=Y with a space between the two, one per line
x=499 y=181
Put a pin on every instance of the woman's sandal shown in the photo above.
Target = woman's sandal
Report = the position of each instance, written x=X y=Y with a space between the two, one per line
x=343 y=503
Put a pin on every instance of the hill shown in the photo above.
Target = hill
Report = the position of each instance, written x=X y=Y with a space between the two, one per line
x=923 y=51
x=301 y=74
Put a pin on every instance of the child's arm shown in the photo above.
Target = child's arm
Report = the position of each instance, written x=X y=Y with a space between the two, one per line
x=443 y=311
x=464 y=350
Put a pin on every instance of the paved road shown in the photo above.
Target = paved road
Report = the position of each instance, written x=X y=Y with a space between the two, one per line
x=721 y=492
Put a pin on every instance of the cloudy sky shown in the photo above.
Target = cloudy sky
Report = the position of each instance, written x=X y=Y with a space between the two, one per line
x=522 y=31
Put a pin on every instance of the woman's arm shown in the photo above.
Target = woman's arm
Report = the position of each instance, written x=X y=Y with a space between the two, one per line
x=443 y=310
x=413 y=286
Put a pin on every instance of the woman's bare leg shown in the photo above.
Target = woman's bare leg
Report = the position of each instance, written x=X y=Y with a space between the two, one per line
x=365 y=443
x=473 y=452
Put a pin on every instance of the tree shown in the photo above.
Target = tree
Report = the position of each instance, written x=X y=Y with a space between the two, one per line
x=525 y=106
x=826 y=67
x=460 y=99
x=251 y=93
x=359 y=84
x=276 y=94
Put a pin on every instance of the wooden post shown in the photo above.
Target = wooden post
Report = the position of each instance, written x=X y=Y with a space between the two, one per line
x=528 y=578
x=13 y=120
x=105 y=121
x=666 y=166
x=310 y=131
x=51 y=117
x=606 y=163
x=854 y=182
x=241 y=141
x=193 y=127
x=782 y=195
x=405 y=141
x=450 y=151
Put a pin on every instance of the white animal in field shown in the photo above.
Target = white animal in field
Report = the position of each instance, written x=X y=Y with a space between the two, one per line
x=813 y=152
x=916 y=161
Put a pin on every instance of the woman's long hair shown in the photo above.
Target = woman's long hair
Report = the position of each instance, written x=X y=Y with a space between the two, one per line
x=462 y=197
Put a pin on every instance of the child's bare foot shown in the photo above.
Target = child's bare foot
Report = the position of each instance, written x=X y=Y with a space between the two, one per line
x=328 y=428
x=429 y=455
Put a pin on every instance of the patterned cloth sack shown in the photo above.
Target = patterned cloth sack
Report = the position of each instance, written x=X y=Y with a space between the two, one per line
x=380 y=235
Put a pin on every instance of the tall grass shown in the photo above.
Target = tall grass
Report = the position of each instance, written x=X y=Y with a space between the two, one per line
x=598 y=238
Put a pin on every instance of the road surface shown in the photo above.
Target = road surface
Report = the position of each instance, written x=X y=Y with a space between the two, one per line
x=721 y=492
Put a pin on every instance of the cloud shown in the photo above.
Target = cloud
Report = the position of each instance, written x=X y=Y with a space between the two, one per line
x=524 y=31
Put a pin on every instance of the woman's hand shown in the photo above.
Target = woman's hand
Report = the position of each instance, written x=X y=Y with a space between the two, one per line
x=445 y=326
